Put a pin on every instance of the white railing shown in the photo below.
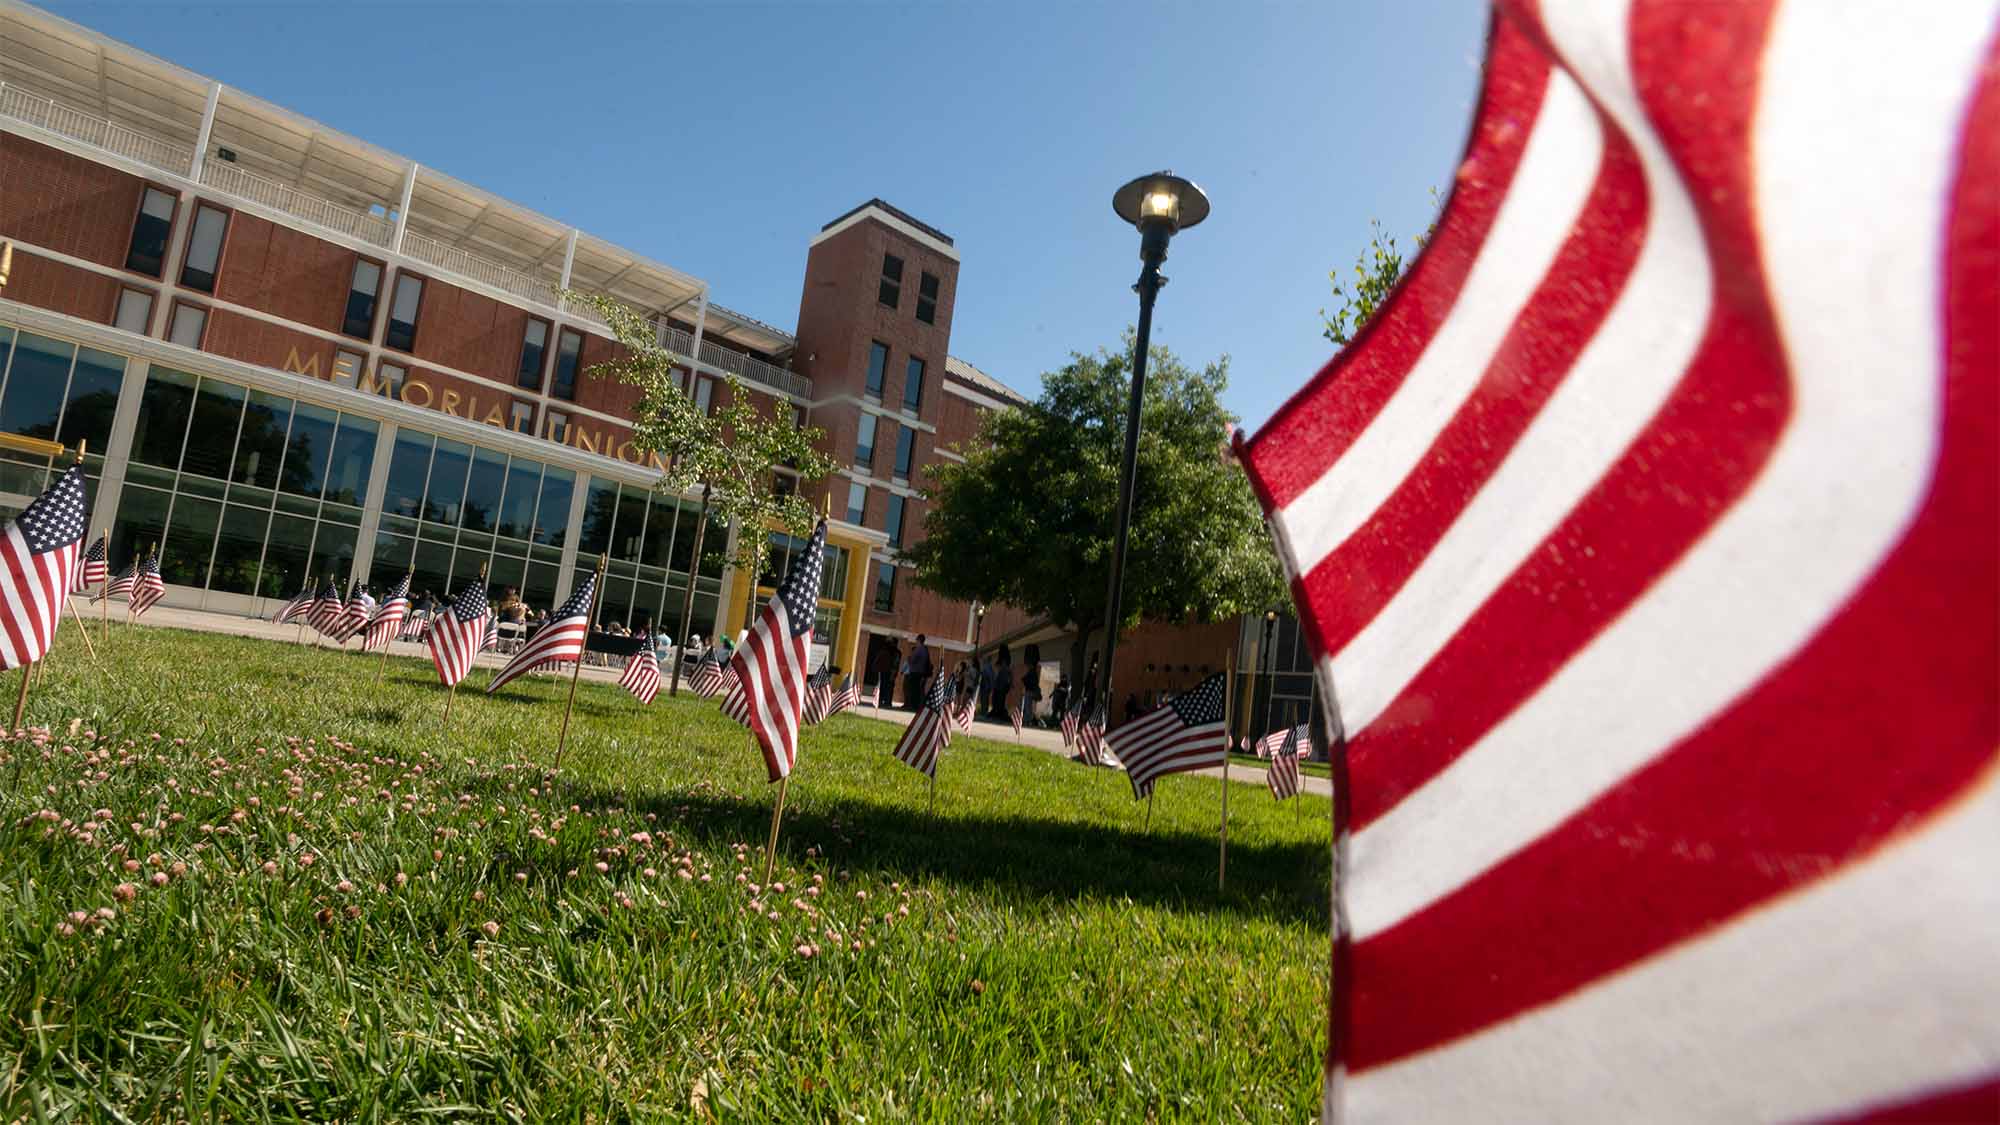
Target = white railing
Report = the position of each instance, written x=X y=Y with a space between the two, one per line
x=281 y=197
x=427 y=249
x=754 y=369
x=67 y=121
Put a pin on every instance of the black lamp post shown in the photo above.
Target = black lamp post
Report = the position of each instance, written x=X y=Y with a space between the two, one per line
x=978 y=626
x=1270 y=667
x=1158 y=205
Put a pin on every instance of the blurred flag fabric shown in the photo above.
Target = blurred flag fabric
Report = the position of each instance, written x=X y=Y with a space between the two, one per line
x=1644 y=540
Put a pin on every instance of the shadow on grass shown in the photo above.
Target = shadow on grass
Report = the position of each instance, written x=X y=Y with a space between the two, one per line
x=1036 y=857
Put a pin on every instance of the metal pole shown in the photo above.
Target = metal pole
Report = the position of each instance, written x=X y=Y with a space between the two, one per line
x=1152 y=251
x=1228 y=697
x=687 y=599
x=1270 y=662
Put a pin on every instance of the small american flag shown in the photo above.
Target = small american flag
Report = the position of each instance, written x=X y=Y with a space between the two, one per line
x=961 y=714
x=736 y=704
x=819 y=696
x=929 y=732
x=38 y=556
x=456 y=633
x=1069 y=725
x=1269 y=744
x=1014 y=713
x=560 y=641
x=388 y=619
x=709 y=678
x=1185 y=734
x=1282 y=775
x=771 y=663
x=298 y=606
x=93 y=571
x=491 y=637
x=1090 y=741
x=149 y=588
x=120 y=585
x=360 y=606
x=327 y=609
x=642 y=675
x=848 y=695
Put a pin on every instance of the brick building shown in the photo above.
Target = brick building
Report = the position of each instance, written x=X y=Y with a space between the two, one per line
x=292 y=353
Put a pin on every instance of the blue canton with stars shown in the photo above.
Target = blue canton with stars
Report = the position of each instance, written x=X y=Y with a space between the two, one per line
x=470 y=603
x=941 y=694
x=1202 y=705
x=579 y=603
x=96 y=552
x=55 y=520
x=800 y=589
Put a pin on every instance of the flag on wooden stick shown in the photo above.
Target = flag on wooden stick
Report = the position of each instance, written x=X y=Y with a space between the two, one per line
x=38 y=562
x=388 y=620
x=1282 y=775
x=93 y=571
x=1644 y=543
x=1186 y=733
x=770 y=664
x=641 y=676
x=327 y=610
x=149 y=587
x=298 y=606
x=559 y=641
x=929 y=732
x=456 y=634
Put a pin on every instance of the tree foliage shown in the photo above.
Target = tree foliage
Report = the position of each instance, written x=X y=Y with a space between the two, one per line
x=1376 y=272
x=1028 y=517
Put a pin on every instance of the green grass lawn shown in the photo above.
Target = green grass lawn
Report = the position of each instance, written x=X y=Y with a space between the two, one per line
x=1309 y=769
x=242 y=882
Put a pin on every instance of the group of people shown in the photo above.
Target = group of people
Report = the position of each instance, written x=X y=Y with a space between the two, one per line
x=990 y=683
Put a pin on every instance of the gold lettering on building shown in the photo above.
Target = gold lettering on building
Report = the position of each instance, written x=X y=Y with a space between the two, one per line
x=625 y=447
x=495 y=418
x=373 y=386
x=450 y=403
x=308 y=367
x=410 y=389
x=585 y=442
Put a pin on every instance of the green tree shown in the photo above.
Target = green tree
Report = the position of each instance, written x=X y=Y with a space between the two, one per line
x=1376 y=272
x=733 y=456
x=1027 y=518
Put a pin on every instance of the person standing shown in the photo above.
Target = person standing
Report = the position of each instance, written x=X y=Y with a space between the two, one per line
x=916 y=674
x=1089 y=689
x=1031 y=683
x=884 y=666
x=1003 y=684
x=985 y=682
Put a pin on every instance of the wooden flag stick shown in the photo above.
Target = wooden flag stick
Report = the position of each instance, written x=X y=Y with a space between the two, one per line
x=1149 y=809
x=448 y=697
x=576 y=668
x=777 y=813
x=383 y=664
x=21 y=700
x=80 y=626
x=104 y=590
x=933 y=808
x=1228 y=696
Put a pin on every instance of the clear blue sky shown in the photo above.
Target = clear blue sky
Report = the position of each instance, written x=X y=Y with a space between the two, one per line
x=718 y=137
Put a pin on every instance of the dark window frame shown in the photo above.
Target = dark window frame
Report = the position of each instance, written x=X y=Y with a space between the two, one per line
x=894 y=516
x=555 y=370
x=876 y=378
x=884 y=599
x=221 y=245
x=889 y=292
x=906 y=452
x=375 y=305
x=118 y=299
x=914 y=370
x=417 y=323
x=166 y=244
x=542 y=367
x=867 y=462
x=927 y=297
x=207 y=318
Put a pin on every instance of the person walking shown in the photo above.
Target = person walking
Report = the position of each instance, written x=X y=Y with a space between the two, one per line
x=1089 y=689
x=1003 y=684
x=1031 y=683
x=884 y=668
x=916 y=673
x=985 y=682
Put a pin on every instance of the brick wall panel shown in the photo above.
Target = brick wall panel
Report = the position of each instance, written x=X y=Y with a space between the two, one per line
x=470 y=332
x=237 y=336
x=66 y=203
x=63 y=288
x=285 y=272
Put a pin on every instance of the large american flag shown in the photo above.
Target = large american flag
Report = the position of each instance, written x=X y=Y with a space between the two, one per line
x=709 y=677
x=559 y=641
x=38 y=559
x=148 y=587
x=929 y=732
x=641 y=676
x=327 y=610
x=771 y=662
x=1282 y=775
x=388 y=619
x=1645 y=543
x=93 y=571
x=456 y=633
x=298 y=606
x=1187 y=733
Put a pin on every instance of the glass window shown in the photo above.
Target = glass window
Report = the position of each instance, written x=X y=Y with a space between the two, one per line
x=857 y=502
x=333 y=552
x=890 y=292
x=403 y=310
x=347 y=367
x=391 y=375
x=534 y=346
x=135 y=311
x=555 y=425
x=447 y=487
x=682 y=559
x=878 y=366
x=217 y=411
x=141 y=522
x=237 y=549
x=913 y=383
x=150 y=230
x=190 y=321
x=362 y=290
x=306 y=450
x=32 y=401
x=906 y=448
x=392 y=557
x=704 y=395
x=892 y=523
x=616 y=604
x=885 y=588
x=521 y=417
x=431 y=569
x=261 y=445
x=409 y=467
x=482 y=490
x=93 y=399
x=163 y=417
x=569 y=353
x=656 y=549
x=516 y=518
x=631 y=524
x=539 y=591
x=552 y=512
x=600 y=507
x=927 y=294
x=190 y=541
x=864 y=440
x=353 y=457
x=826 y=624
x=833 y=573
x=204 y=252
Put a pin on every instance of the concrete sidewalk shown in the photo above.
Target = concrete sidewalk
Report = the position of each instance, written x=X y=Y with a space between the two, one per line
x=204 y=621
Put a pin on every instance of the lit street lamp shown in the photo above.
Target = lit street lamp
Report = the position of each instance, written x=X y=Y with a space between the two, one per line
x=978 y=625
x=1158 y=205
x=1270 y=667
